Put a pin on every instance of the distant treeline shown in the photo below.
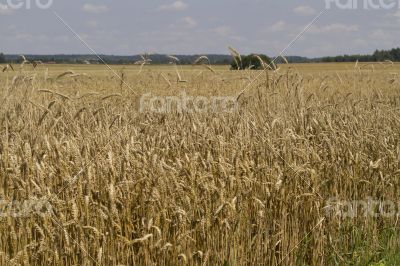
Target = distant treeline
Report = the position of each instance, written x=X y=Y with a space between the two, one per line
x=115 y=59
x=2 y=58
x=215 y=59
x=377 y=56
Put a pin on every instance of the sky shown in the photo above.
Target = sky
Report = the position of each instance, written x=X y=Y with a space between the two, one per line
x=128 y=27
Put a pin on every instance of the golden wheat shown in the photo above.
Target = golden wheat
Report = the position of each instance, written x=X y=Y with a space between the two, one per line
x=249 y=187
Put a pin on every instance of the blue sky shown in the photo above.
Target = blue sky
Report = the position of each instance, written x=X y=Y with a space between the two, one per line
x=126 y=27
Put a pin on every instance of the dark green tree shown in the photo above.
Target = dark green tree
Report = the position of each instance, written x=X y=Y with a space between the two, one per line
x=2 y=58
x=251 y=61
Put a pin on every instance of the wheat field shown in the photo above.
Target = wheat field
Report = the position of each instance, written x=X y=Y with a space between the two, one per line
x=249 y=187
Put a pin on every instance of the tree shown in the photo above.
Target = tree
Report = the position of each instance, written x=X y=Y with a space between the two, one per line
x=2 y=58
x=251 y=61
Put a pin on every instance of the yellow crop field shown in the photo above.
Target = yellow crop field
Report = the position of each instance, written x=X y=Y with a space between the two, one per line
x=200 y=165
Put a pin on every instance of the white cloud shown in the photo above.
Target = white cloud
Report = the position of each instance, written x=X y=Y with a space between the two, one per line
x=397 y=14
x=24 y=37
x=292 y=29
x=278 y=26
x=383 y=39
x=189 y=22
x=334 y=28
x=95 y=9
x=222 y=30
x=175 y=6
x=93 y=23
x=5 y=9
x=337 y=27
x=304 y=11
x=379 y=35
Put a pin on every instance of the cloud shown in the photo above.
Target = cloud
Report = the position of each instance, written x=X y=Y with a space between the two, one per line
x=334 y=28
x=5 y=9
x=304 y=11
x=189 y=22
x=222 y=30
x=92 y=23
x=95 y=9
x=337 y=27
x=278 y=26
x=293 y=29
x=379 y=35
x=24 y=37
x=175 y=6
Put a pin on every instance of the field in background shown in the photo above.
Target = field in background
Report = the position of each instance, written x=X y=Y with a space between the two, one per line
x=250 y=187
x=133 y=69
